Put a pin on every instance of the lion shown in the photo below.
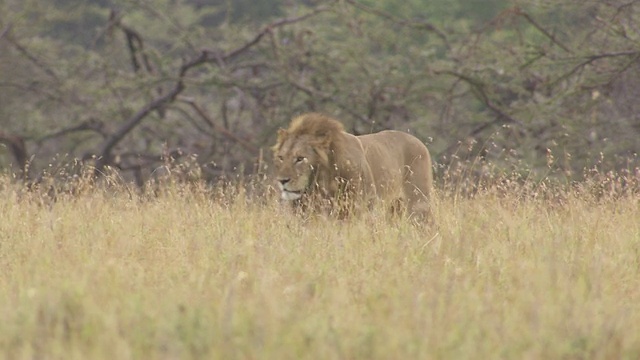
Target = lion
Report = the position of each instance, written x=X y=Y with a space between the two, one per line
x=315 y=157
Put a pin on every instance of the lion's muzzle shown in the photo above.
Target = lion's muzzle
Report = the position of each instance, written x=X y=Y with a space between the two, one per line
x=287 y=194
x=290 y=195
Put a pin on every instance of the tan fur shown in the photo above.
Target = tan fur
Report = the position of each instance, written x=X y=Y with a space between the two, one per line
x=316 y=158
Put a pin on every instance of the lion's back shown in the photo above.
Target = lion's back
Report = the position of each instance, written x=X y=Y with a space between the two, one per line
x=392 y=148
x=394 y=157
x=396 y=145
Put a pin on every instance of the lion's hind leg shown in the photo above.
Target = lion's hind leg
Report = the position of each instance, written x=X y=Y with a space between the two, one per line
x=397 y=207
x=417 y=191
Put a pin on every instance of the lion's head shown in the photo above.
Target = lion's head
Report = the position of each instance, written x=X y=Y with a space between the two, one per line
x=303 y=153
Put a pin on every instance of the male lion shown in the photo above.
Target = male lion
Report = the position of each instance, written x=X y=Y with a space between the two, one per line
x=315 y=157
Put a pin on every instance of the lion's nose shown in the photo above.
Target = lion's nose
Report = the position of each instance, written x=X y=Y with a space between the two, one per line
x=284 y=180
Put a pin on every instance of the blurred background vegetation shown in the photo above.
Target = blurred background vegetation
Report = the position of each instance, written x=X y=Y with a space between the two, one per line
x=530 y=86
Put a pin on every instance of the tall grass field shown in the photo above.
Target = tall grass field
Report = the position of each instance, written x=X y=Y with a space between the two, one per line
x=512 y=272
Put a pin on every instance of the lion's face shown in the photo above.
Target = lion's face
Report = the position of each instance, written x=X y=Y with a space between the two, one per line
x=297 y=161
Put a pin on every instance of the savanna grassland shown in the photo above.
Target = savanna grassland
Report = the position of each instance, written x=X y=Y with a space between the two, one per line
x=521 y=273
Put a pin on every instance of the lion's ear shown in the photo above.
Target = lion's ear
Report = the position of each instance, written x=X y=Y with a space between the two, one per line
x=282 y=135
x=322 y=153
x=323 y=140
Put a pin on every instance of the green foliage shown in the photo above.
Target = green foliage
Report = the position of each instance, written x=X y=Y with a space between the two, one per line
x=508 y=80
x=443 y=12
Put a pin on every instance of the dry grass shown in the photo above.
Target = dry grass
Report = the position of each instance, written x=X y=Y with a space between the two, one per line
x=111 y=275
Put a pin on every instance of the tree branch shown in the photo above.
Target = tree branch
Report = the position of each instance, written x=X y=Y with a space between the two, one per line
x=318 y=94
x=113 y=139
x=5 y=31
x=501 y=116
x=28 y=55
x=482 y=96
x=134 y=43
x=88 y=125
x=593 y=58
x=205 y=56
x=216 y=56
x=394 y=19
x=246 y=145
x=529 y=19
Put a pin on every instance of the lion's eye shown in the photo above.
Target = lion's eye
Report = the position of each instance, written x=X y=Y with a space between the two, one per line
x=300 y=159
x=280 y=158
